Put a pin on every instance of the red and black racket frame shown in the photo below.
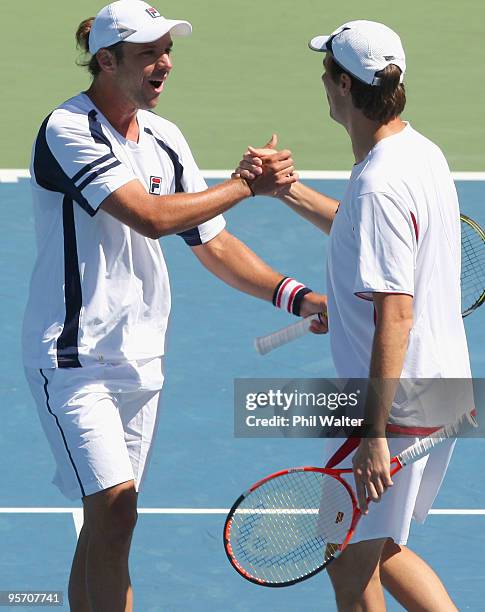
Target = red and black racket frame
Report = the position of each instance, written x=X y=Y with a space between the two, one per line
x=356 y=515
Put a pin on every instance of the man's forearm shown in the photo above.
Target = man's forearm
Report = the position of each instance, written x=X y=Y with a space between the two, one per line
x=313 y=206
x=238 y=266
x=388 y=353
x=156 y=216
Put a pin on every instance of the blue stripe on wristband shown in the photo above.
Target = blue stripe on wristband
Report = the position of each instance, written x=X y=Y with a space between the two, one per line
x=289 y=294
x=277 y=288
x=298 y=300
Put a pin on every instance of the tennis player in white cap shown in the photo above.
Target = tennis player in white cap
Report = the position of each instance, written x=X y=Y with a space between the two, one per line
x=109 y=178
x=394 y=309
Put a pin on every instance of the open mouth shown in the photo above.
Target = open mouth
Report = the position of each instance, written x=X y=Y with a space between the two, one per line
x=155 y=84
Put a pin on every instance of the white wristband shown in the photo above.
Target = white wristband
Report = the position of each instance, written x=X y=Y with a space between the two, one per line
x=289 y=294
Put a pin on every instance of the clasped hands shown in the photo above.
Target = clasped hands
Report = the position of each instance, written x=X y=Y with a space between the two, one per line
x=267 y=170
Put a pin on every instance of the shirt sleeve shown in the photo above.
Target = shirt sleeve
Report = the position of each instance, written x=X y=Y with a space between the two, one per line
x=386 y=244
x=74 y=156
x=193 y=182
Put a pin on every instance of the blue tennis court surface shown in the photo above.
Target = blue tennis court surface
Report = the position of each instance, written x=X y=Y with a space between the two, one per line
x=198 y=468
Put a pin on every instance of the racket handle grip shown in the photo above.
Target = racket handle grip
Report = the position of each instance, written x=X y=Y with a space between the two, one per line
x=265 y=344
x=466 y=422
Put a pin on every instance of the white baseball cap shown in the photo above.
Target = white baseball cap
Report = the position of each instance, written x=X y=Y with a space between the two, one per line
x=363 y=48
x=133 y=21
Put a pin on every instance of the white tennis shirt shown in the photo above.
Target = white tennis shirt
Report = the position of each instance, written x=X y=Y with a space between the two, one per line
x=99 y=290
x=397 y=230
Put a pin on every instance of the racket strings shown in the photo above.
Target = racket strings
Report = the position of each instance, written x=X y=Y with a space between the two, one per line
x=290 y=526
x=472 y=266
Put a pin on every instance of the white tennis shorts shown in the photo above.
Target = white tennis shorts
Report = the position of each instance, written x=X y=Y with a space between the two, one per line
x=100 y=421
x=411 y=496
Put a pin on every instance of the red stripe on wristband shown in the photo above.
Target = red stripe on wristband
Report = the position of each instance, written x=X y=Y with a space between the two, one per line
x=288 y=295
x=289 y=306
x=281 y=291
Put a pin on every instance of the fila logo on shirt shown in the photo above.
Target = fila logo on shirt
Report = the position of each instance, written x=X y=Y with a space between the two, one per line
x=156 y=185
x=153 y=12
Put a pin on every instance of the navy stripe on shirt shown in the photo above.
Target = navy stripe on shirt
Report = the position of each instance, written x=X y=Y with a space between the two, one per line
x=49 y=174
x=91 y=166
x=191 y=236
x=67 y=342
x=102 y=170
x=96 y=130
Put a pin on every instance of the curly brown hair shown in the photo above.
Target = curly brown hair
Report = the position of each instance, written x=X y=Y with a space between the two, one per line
x=381 y=103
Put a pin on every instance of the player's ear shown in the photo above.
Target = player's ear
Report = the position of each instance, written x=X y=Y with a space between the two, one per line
x=106 y=60
x=345 y=84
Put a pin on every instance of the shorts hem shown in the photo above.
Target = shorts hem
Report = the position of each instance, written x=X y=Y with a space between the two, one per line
x=93 y=487
x=400 y=541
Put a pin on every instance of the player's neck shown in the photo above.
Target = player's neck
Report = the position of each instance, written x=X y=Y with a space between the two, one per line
x=365 y=134
x=120 y=112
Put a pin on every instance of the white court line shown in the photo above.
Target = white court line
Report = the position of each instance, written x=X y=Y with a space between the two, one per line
x=28 y=510
x=8 y=175
x=337 y=175
x=12 y=175
x=77 y=513
x=304 y=174
x=78 y=518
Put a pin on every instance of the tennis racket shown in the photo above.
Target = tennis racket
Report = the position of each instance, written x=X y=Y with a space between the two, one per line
x=292 y=524
x=472 y=287
x=472 y=265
